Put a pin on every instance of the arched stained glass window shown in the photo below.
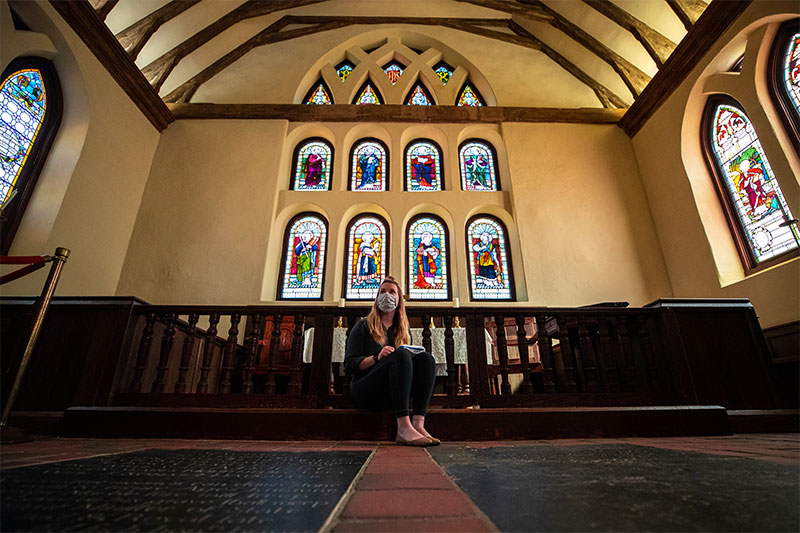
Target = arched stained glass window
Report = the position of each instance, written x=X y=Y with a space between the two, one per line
x=319 y=94
x=477 y=162
x=367 y=246
x=344 y=69
x=423 y=166
x=419 y=95
x=369 y=166
x=469 y=96
x=30 y=113
x=368 y=95
x=304 y=258
x=488 y=259
x=753 y=198
x=394 y=69
x=428 y=275
x=444 y=71
x=313 y=160
x=784 y=76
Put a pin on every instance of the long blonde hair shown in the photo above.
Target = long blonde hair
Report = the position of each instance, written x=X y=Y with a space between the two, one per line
x=400 y=321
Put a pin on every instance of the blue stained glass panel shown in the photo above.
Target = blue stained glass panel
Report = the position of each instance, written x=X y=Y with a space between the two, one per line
x=344 y=69
x=305 y=259
x=368 y=96
x=313 y=166
x=319 y=96
x=489 y=272
x=366 y=258
x=368 y=170
x=427 y=260
x=444 y=71
x=469 y=97
x=423 y=167
x=477 y=167
x=418 y=97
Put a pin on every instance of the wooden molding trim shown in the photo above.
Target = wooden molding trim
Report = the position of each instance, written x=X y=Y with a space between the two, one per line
x=396 y=113
x=81 y=17
x=709 y=27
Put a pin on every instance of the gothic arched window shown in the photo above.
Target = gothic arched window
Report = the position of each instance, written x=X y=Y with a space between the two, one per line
x=477 y=163
x=367 y=256
x=469 y=96
x=756 y=209
x=368 y=94
x=369 y=166
x=784 y=76
x=488 y=259
x=30 y=113
x=319 y=94
x=313 y=161
x=419 y=95
x=303 y=260
x=428 y=273
x=423 y=166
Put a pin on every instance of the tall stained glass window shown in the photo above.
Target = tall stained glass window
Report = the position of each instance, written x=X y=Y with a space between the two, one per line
x=419 y=95
x=368 y=95
x=477 y=163
x=469 y=96
x=784 y=76
x=423 y=166
x=488 y=259
x=444 y=71
x=30 y=112
x=304 y=258
x=428 y=276
x=319 y=94
x=313 y=160
x=344 y=69
x=369 y=166
x=394 y=69
x=760 y=215
x=367 y=246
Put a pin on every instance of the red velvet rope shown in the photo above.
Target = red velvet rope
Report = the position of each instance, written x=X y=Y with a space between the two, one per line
x=32 y=262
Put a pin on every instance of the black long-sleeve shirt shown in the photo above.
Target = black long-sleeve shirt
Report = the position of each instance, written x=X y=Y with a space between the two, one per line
x=360 y=344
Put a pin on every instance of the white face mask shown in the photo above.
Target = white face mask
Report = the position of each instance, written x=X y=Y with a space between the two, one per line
x=387 y=302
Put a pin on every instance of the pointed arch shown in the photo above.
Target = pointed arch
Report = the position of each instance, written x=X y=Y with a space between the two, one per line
x=30 y=111
x=427 y=250
x=367 y=257
x=469 y=96
x=419 y=95
x=489 y=259
x=783 y=77
x=369 y=166
x=312 y=164
x=477 y=161
x=757 y=213
x=368 y=94
x=423 y=166
x=319 y=94
x=303 y=259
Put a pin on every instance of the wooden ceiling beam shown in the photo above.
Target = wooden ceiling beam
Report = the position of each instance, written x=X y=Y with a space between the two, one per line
x=134 y=37
x=688 y=11
x=658 y=46
x=514 y=8
x=103 y=7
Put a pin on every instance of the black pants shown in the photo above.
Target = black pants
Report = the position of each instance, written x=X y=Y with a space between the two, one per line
x=394 y=380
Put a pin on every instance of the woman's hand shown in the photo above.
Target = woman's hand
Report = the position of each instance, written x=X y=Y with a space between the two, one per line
x=386 y=350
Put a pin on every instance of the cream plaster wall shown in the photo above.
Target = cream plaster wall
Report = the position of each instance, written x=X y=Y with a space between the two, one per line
x=697 y=245
x=87 y=196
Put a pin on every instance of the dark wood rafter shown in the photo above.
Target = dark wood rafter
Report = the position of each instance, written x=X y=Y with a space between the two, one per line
x=688 y=11
x=134 y=37
x=708 y=29
x=103 y=7
x=531 y=11
x=396 y=113
x=81 y=17
x=159 y=70
x=658 y=46
x=631 y=75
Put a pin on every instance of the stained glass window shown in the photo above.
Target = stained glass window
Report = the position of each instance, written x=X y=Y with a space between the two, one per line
x=749 y=183
x=444 y=71
x=469 y=96
x=394 y=69
x=791 y=70
x=490 y=275
x=304 y=258
x=368 y=95
x=319 y=94
x=344 y=69
x=477 y=162
x=784 y=77
x=419 y=95
x=369 y=170
x=423 y=166
x=428 y=277
x=313 y=160
x=367 y=245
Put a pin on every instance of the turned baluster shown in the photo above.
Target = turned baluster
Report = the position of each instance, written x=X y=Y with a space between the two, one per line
x=251 y=350
x=208 y=353
x=589 y=361
x=230 y=350
x=426 y=333
x=627 y=350
x=450 y=356
x=522 y=345
x=144 y=351
x=564 y=357
x=546 y=353
x=611 y=355
x=297 y=350
x=182 y=385
x=160 y=385
x=502 y=354
x=274 y=346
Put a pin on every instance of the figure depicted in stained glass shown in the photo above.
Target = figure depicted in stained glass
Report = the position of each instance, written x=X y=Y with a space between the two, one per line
x=748 y=174
x=489 y=273
x=423 y=167
x=368 y=167
x=312 y=166
x=444 y=71
x=366 y=257
x=419 y=96
x=344 y=69
x=305 y=259
x=368 y=162
x=427 y=259
x=469 y=96
x=319 y=94
x=477 y=167
x=368 y=95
